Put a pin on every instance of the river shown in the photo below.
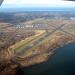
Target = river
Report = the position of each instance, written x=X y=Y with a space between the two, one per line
x=62 y=62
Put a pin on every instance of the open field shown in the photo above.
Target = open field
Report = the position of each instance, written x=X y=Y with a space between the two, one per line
x=45 y=49
x=70 y=27
x=20 y=45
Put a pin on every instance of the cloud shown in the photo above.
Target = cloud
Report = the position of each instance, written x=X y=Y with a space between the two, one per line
x=31 y=3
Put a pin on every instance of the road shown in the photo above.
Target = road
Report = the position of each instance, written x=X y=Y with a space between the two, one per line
x=35 y=42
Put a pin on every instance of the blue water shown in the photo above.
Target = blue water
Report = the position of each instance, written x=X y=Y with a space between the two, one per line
x=61 y=63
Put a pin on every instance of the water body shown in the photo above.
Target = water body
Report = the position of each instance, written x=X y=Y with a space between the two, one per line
x=61 y=63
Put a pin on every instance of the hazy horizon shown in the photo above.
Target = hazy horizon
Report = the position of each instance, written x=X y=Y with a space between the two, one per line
x=36 y=5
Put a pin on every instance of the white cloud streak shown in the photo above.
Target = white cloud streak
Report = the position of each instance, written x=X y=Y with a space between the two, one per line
x=56 y=3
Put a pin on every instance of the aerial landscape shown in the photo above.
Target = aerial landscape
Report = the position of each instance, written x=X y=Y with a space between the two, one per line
x=37 y=38
x=29 y=38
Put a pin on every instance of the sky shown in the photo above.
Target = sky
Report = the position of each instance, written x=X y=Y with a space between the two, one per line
x=36 y=3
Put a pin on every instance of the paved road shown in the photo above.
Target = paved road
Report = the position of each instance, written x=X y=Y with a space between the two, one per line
x=68 y=33
x=36 y=41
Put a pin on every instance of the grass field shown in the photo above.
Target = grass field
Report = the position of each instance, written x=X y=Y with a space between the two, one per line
x=21 y=44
